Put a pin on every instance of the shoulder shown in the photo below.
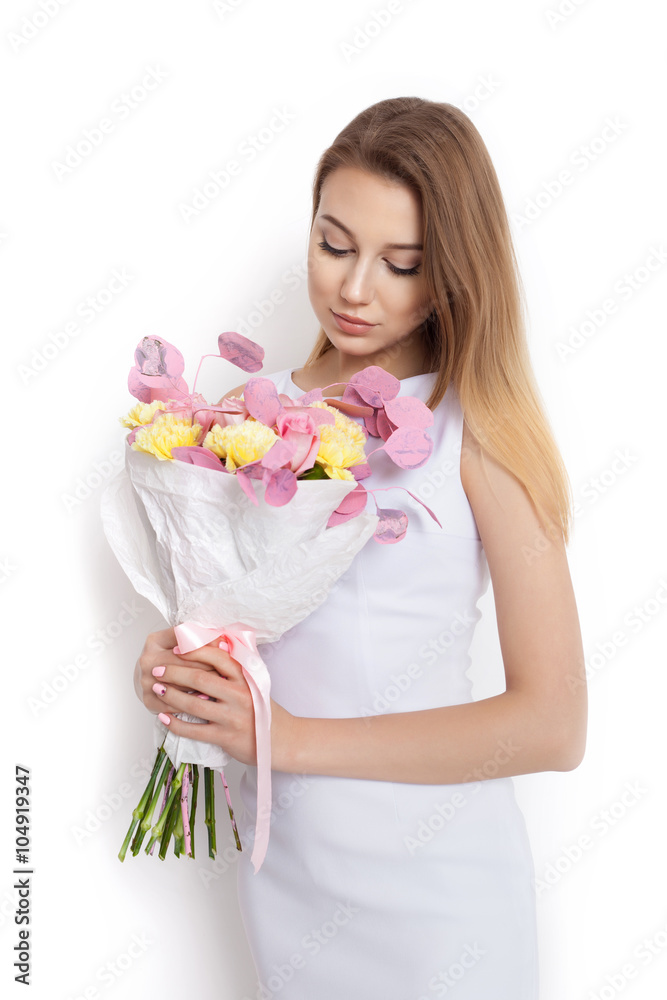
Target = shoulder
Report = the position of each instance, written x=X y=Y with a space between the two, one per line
x=504 y=512
x=236 y=391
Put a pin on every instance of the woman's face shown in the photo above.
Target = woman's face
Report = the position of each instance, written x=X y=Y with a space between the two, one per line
x=357 y=267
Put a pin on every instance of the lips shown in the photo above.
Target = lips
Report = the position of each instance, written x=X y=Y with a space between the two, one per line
x=354 y=319
x=351 y=324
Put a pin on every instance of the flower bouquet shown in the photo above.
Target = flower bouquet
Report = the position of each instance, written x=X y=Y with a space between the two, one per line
x=235 y=520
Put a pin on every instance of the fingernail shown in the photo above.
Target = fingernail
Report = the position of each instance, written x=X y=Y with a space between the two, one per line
x=159 y=688
x=164 y=718
x=158 y=671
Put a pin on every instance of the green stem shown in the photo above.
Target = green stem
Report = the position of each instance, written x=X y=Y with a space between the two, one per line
x=231 y=812
x=193 y=807
x=145 y=824
x=209 y=791
x=173 y=792
x=138 y=813
x=179 y=833
x=169 y=828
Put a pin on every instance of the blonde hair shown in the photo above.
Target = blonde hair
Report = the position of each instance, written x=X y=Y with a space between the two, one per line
x=475 y=334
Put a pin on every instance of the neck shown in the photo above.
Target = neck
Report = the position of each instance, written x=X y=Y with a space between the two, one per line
x=341 y=367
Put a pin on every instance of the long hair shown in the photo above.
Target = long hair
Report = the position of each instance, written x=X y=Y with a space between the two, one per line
x=475 y=335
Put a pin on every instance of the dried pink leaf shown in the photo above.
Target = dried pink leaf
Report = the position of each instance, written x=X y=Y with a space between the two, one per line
x=241 y=351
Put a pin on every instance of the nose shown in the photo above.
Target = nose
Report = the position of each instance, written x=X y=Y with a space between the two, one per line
x=358 y=286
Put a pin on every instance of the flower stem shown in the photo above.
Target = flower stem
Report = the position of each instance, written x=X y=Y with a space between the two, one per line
x=231 y=811
x=169 y=828
x=138 y=813
x=209 y=799
x=157 y=830
x=187 y=842
x=178 y=831
x=150 y=809
x=193 y=806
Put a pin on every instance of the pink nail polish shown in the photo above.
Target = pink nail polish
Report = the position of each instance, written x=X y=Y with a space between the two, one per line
x=164 y=718
x=159 y=688
x=158 y=671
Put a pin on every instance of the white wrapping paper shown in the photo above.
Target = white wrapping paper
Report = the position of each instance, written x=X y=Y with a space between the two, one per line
x=195 y=545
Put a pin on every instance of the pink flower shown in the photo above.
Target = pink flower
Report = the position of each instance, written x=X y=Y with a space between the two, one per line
x=297 y=427
x=230 y=410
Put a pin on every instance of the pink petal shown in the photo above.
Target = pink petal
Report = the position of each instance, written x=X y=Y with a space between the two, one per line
x=317 y=414
x=280 y=454
x=195 y=455
x=246 y=486
x=321 y=416
x=392 y=526
x=408 y=447
x=261 y=398
x=231 y=404
x=147 y=389
x=368 y=395
x=254 y=470
x=384 y=427
x=351 y=505
x=372 y=424
x=375 y=384
x=281 y=487
x=301 y=447
x=408 y=411
x=241 y=351
x=138 y=389
x=308 y=460
x=350 y=395
x=312 y=396
x=360 y=471
x=155 y=356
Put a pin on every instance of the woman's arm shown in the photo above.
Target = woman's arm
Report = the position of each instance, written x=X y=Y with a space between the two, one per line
x=537 y=724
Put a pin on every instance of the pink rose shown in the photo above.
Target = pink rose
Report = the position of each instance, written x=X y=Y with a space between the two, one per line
x=298 y=428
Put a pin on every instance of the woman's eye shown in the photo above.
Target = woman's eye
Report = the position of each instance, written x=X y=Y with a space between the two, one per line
x=404 y=270
x=392 y=267
x=327 y=246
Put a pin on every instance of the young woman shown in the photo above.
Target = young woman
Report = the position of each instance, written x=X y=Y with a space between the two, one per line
x=398 y=865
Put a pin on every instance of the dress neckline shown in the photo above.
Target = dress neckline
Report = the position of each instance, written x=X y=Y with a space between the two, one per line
x=410 y=378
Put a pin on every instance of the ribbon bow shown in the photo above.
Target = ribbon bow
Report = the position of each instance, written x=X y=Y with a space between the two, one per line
x=239 y=640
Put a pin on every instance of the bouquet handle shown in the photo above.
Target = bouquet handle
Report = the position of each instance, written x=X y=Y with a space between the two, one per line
x=239 y=639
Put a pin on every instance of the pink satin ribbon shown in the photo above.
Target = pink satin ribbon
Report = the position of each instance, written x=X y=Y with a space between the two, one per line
x=239 y=640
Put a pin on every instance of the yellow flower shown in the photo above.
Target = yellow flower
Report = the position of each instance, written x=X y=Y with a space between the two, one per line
x=341 y=444
x=142 y=413
x=241 y=443
x=166 y=432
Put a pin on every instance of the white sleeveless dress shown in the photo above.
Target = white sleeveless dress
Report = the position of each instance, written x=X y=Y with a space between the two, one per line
x=380 y=890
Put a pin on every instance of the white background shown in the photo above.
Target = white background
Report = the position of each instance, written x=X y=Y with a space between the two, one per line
x=541 y=87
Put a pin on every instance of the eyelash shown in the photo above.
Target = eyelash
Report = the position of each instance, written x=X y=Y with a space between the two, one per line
x=341 y=253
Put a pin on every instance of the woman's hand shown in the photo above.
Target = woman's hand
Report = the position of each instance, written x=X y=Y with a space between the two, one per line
x=227 y=708
x=158 y=652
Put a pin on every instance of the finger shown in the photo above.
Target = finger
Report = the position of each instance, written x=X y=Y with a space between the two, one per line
x=207 y=732
x=190 y=679
x=155 y=658
x=218 y=659
x=165 y=639
x=181 y=701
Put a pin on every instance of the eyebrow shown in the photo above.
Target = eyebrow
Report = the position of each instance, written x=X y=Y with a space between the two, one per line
x=388 y=246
